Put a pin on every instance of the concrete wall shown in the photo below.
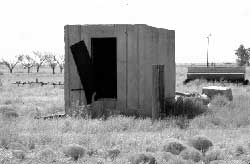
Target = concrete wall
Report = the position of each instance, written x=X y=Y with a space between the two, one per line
x=138 y=47
x=217 y=73
x=156 y=46
x=216 y=69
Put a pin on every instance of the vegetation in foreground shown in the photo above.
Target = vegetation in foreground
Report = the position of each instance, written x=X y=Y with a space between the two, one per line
x=219 y=135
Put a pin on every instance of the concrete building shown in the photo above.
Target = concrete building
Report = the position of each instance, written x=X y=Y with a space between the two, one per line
x=115 y=61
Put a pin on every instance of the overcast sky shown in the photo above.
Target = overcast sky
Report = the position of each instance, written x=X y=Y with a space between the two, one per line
x=28 y=25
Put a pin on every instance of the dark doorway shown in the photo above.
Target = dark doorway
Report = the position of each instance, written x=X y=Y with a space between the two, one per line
x=104 y=52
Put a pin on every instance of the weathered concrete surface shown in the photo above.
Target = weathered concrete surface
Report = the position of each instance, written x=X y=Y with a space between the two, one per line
x=212 y=91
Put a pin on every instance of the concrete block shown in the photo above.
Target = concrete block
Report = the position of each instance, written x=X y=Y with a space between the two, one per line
x=212 y=91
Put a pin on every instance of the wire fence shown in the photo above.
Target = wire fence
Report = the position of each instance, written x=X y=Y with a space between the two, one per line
x=54 y=84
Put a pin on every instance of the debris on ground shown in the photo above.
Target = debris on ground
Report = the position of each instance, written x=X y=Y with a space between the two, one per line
x=202 y=97
x=212 y=91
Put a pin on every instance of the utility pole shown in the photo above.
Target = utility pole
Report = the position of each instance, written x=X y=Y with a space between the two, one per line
x=207 y=47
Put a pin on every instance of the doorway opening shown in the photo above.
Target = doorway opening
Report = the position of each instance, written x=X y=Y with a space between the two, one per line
x=104 y=54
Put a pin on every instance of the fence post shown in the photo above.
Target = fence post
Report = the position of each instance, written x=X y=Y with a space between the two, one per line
x=157 y=90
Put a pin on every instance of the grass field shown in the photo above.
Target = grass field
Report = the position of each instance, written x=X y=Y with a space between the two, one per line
x=115 y=140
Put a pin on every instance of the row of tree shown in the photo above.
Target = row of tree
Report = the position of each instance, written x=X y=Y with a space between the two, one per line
x=243 y=55
x=36 y=59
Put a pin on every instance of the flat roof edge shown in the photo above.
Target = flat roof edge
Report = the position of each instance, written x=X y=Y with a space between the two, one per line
x=110 y=25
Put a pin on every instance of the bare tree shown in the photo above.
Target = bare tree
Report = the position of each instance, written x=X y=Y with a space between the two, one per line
x=51 y=60
x=60 y=62
x=28 y=62
x=11 y=63
x=39 y=59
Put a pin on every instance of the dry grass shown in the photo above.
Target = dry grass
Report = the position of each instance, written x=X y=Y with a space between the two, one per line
x=227 y=125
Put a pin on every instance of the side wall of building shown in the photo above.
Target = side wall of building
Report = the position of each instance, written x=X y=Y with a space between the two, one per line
x=157 y=46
